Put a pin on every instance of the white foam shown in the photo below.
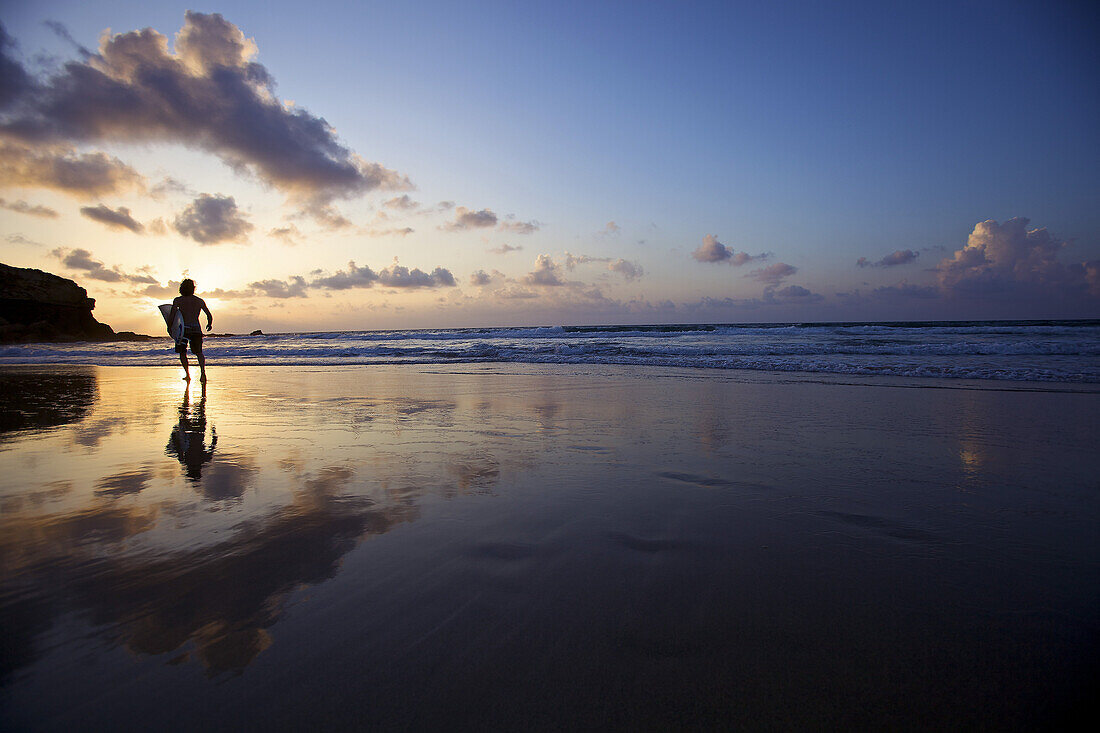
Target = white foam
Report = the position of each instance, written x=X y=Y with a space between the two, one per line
x=1060 y=352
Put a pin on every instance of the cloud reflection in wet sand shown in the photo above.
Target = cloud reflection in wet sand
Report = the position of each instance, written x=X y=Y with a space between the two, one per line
x=223 y=598
x=214 y=602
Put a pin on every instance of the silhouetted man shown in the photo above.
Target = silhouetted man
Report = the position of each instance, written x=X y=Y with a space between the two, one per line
x=189 y=306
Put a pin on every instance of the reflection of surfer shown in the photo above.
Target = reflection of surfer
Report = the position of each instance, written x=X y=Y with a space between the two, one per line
x=190 y=306
x=188 y=441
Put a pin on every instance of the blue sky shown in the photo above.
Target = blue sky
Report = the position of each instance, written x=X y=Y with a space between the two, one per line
x=816 y=133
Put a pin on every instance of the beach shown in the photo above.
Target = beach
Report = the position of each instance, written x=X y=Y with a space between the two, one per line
x=505 y=546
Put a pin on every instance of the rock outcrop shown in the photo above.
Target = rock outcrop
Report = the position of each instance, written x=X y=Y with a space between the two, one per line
x=38 y=306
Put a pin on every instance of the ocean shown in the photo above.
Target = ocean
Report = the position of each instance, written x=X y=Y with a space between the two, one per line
x=1042 y=351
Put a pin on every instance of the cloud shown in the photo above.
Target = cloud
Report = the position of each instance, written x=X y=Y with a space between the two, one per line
x=82 y=260
x=741 y=258
x=288 y=235
x=14 y=80
x=60 y=168
x=398 y=276
x=62 y=32
x=402 y=203
x=20 y=239
x=520 y=227
x=898 y=257
x=1005 y=270
x=212 y=219
x=394 y=276
x=505 y=249
x=572 y=260
x=206 y=93
x=629 y=270
x=392 y=232
x=326 y=215
x=468 y=219
x=172 y=289
x=294 y=288
x=545 y=273
x=1011 y=260
x=773 y=274
x=513 y=292
x=156 y=290
x=610 y=229
x=142 y=276
x=482 y=278
x=113 y=218
x=711 y=250
x=354 y=277
x=170 y=186
x=793 y=293
x=22 y=207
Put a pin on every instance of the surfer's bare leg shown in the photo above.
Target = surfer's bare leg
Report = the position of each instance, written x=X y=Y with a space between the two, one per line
x=202 y=365
x=186 y=367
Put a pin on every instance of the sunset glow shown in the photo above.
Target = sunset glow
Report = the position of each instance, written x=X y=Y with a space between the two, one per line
x=604 y=164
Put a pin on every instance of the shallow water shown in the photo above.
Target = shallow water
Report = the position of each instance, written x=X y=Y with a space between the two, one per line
x=524 y=546
x=1046 y=351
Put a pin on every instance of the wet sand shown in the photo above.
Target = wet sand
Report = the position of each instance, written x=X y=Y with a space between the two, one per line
x=498 y=546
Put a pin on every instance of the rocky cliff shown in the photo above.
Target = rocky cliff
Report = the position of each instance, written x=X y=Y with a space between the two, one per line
x=38 y=306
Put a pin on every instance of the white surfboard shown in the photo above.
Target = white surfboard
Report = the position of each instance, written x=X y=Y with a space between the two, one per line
x=175 y=328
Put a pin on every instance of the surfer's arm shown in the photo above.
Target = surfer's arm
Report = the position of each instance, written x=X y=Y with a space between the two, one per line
x=171 y=316
x=209 y=316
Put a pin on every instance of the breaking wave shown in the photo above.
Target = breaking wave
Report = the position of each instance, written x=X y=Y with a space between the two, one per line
x=1049 y=351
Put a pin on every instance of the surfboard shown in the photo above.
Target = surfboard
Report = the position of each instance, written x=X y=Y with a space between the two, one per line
x=175 y=328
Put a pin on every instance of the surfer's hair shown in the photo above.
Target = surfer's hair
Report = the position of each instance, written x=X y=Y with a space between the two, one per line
x=187 y=287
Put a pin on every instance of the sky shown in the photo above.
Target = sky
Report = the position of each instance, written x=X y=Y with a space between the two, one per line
x=361 y=165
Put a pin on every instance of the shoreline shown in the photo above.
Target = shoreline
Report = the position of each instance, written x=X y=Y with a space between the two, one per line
x=1050 y=354
x=740 y=376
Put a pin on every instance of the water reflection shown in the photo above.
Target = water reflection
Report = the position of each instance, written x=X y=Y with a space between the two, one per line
x=40 y=556
x=188 y=440
x=37 y=400
x=122 y=544
x=474 y=474
x=34 y=498
x=221 y=600
x=127 y=482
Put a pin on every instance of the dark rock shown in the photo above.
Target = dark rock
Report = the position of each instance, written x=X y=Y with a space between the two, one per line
x=38 y=306
x=131 y=336
x=257 y=332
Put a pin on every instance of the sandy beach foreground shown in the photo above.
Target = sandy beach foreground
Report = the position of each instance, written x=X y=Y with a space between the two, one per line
x=509 y=546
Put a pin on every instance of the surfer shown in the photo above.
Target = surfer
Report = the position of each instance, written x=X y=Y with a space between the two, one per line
x=189 y=306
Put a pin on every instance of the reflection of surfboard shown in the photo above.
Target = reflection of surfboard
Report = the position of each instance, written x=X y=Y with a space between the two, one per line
x=175 y=328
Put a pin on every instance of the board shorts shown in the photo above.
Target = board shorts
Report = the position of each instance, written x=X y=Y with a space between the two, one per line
x=191 y=334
